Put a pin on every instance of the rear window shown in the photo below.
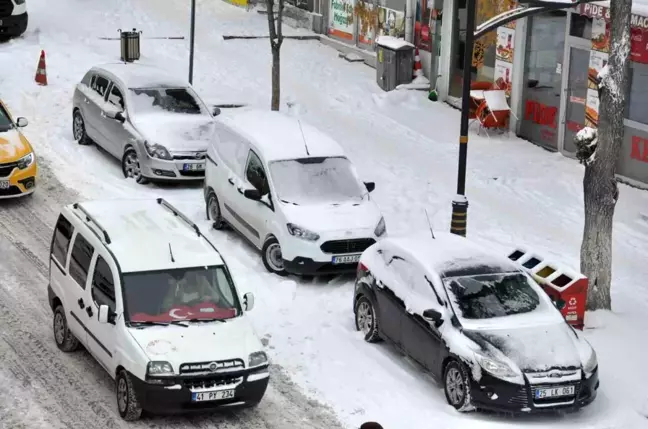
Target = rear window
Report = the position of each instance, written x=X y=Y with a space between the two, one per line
x=61 y=242
x=492 y=295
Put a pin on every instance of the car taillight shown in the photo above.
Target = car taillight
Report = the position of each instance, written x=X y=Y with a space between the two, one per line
x=362 y=268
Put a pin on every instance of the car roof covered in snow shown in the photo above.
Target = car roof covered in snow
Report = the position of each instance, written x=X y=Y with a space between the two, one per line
x=140 y=75
x=279 y=137
x=450 y=255
x=141 y=232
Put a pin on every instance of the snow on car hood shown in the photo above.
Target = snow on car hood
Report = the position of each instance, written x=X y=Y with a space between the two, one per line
x=13 y=146
x=200 y=342
x=330 y=217
x=175 y=131
x=532 y=348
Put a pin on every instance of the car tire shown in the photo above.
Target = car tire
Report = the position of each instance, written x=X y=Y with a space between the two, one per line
x=79 y=129
x=213 y=211
x=131 y=166
x=65 y=340
x=269 y=257
x=366 y=319
x=456 y=385
x=127 y=404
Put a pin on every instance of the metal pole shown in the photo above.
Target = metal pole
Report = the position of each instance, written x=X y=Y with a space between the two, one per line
x=191 y=42
x=459 y=221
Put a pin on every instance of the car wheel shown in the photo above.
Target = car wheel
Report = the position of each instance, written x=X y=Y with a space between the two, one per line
x=271 y=256
x=366 y=319
x=213 y=211
x=456 y=384
x=65 y=340
x=131 y=166
x=127 y=403
x=79 y=130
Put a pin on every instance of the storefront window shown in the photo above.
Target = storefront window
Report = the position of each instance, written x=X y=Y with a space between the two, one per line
x=542 y=78
x=581 y=26
x=637 y=109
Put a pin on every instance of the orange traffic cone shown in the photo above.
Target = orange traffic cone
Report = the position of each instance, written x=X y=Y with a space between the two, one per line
x=41 y=71
x=418 y=67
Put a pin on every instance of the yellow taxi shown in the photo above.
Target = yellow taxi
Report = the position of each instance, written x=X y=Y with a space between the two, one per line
x=18 y=167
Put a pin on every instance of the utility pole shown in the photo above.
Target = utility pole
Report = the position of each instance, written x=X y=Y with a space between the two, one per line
x=191 y=40
x=459 y=222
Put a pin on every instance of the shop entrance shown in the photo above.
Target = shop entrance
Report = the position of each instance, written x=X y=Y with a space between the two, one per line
x=575 y=85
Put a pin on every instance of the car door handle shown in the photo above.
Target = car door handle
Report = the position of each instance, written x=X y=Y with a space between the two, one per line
x=89 y=311
x=231 y=181
x=81 y=304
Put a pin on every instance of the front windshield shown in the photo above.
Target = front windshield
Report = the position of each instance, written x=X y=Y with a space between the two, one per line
x=5 y=122
x=492 y=295
x=175 y=100
x=180 y=294
x=315 y=181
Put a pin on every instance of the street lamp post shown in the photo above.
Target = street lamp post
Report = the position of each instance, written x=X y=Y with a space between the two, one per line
x=191 y=40
x=459 y=222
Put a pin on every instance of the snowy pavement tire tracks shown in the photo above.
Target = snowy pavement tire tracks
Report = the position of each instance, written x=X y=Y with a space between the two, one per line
x=42 y=387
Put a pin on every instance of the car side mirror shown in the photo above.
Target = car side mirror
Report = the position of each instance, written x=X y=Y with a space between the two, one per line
x=22 y=122
x=216 y=111
x=370 y=186
x=252 y=194
x=119 y=116
x=433 y=316
x=106 y=315
x=248 y=301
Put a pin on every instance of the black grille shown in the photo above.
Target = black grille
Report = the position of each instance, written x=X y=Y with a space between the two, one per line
x=198 y=156
x=6 y=8
x=206 y=367
x=357 y=245
x=6 y=169
x=520 y=398
x=209 y=381
x=13 y=190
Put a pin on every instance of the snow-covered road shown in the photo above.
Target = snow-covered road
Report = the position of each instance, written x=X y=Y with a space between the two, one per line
x=518 y=194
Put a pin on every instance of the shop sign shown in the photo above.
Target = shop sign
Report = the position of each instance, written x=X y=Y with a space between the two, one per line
x=541 y=114
x=639 y=149
x=341 y=19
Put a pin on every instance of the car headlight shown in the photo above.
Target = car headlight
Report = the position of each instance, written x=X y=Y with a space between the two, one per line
x=157 y=151
x=497 y=368
x=300 y=232
x=590 y=365
x=159 y=368
x=257 y=358
x=26 y=161
x=381 y=228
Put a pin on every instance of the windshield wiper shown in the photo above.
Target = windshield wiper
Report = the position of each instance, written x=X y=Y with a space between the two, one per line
x=289 y=202
x=150 y=323
x=205 y=319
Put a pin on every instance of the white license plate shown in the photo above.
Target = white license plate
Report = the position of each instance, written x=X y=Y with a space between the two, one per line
x=4 y=184
x=347 y=259
x=193 y=167
x=555 y=392
x=216 y=395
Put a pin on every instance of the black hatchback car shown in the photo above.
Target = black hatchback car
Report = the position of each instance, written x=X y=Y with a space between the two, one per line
x=476 y=322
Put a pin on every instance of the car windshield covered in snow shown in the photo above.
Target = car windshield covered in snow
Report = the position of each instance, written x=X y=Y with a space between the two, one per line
x=174 y=100
x=5 y=122
x=180 y=294
x=492 y=295
x=316 y=180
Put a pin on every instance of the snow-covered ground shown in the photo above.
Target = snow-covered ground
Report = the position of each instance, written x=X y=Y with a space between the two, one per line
x=519 y=194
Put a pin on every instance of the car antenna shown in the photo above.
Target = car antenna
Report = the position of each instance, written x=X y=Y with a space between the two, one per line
x=304 y=138
x=427 y=216
x=171 y=253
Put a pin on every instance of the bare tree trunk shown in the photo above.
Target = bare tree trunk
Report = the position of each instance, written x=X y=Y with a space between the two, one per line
x=599 y=183
x=276 y=39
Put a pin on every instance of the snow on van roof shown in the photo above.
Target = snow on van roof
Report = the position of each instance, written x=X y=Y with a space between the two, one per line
x=452 y=255
x=142 y=75
x=141 y=232
x=279 y=137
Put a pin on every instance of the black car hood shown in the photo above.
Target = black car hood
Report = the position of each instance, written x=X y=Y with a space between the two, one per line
x=536 y=348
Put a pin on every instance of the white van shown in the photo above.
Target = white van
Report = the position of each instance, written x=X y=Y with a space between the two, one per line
x=291 y=191
x=138 y=285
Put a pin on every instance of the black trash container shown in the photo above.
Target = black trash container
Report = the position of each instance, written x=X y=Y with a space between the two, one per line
x=395 y=62
x=130 y=45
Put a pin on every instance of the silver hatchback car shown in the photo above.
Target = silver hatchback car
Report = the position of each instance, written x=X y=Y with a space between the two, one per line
x=153 y=122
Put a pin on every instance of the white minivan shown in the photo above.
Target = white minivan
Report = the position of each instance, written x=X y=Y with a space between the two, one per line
x=137 y=285
x=290 y=190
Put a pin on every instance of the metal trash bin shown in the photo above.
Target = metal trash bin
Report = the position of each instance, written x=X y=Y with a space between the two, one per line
x=130 y=45
x=395 y=62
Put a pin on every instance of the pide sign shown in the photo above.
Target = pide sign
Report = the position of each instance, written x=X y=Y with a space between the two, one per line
x=639 y=30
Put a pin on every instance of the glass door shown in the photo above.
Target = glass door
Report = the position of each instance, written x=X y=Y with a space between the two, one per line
x=575 y=91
